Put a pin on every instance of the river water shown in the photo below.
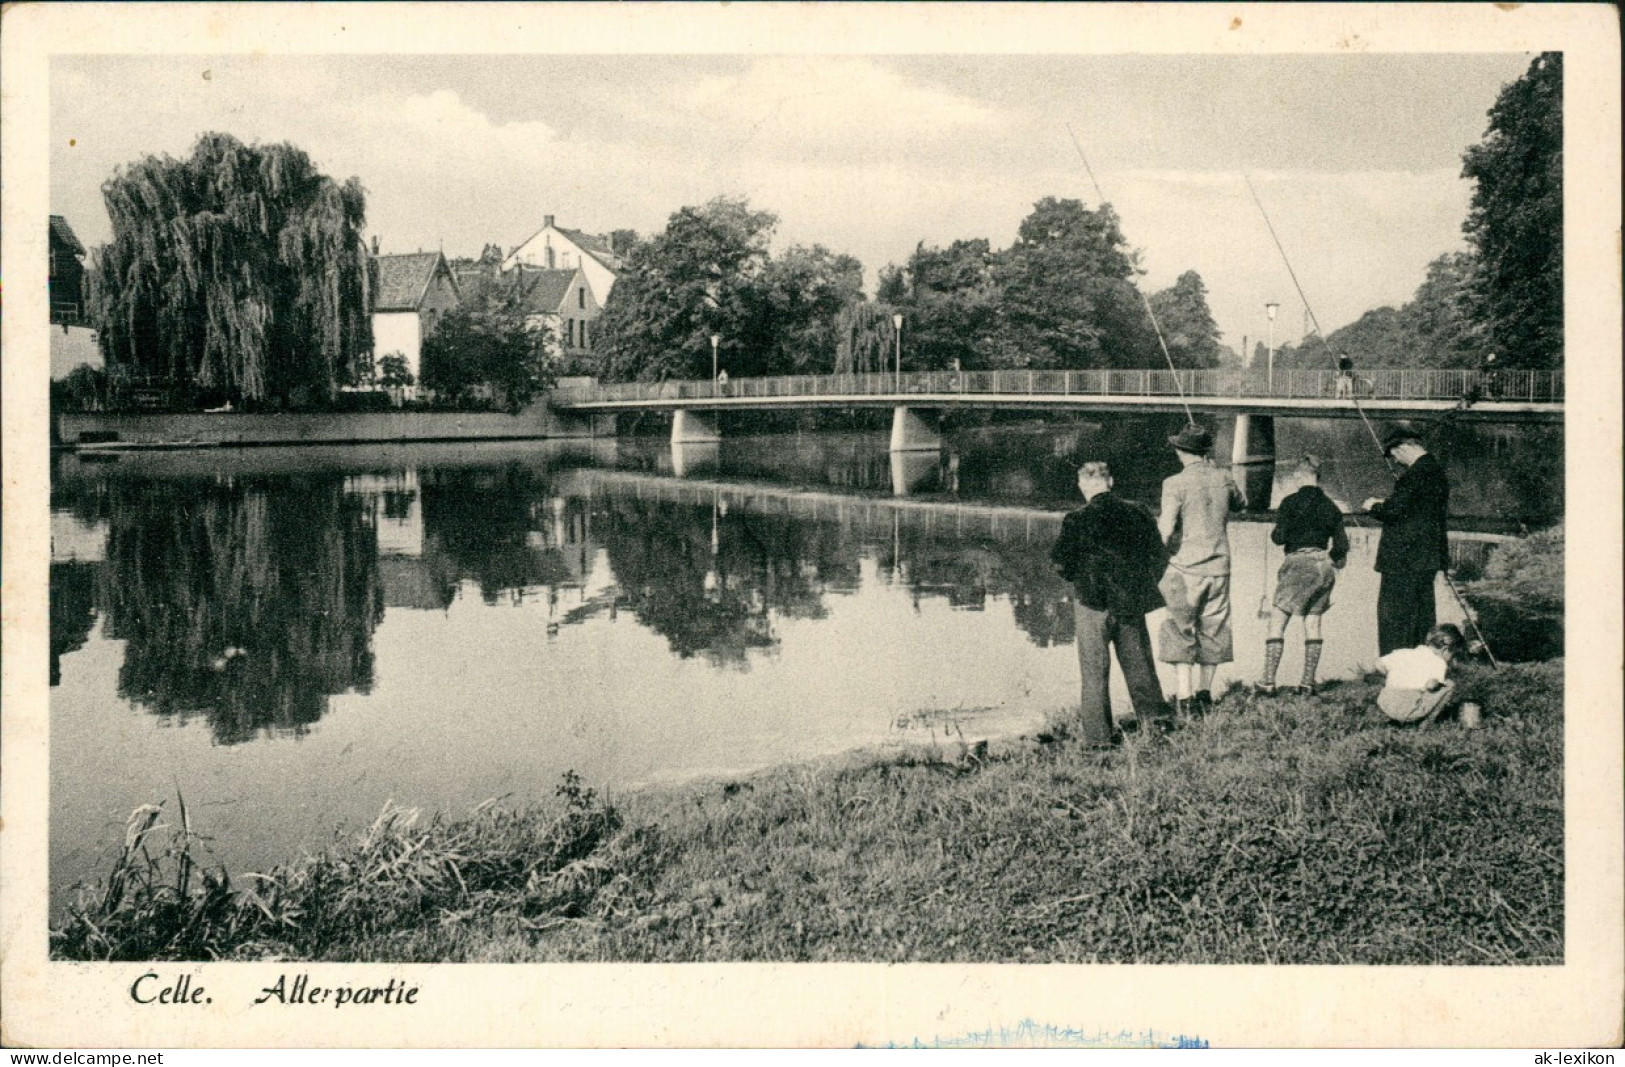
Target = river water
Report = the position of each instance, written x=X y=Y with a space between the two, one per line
x=295 y=637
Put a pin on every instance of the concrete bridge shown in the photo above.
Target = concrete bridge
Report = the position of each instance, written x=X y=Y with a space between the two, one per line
x=1505 y=396
x=1254 y=398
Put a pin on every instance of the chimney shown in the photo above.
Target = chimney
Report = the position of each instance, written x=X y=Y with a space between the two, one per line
x=547 y=222
x=375 y=244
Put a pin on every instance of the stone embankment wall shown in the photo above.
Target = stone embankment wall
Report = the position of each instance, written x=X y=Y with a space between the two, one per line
x=234 y=428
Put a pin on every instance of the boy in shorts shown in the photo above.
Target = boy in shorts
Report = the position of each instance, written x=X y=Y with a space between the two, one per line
x=1310 y=527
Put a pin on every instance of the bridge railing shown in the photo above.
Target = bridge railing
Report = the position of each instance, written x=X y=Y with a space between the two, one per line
x=1284 y=384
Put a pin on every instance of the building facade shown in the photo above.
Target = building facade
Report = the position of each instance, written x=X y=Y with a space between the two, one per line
x=563 y=302
x=553 y=247
x=410 y=291
x=67 y=275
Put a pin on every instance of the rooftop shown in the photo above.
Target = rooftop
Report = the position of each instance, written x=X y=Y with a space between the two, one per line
x=400 y=281
x=64 y=233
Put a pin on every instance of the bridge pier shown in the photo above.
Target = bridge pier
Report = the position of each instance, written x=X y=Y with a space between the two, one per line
x=689 y=458
x=694 y=427
x=1252 y=458
x=911 y=470
x=910 y=433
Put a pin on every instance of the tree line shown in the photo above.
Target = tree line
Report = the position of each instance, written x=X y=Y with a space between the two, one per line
x=240 y=273
x=1504 y=294
x=1063 y=295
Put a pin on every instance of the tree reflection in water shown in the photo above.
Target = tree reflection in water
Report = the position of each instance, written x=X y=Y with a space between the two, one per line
x=718 y=596
x=73 y=609
x=490 y=525
x=714 y=595
x=247 y=603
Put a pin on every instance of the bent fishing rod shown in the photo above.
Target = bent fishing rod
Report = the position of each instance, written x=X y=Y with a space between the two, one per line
x=1461 y=601
x=1145 y=300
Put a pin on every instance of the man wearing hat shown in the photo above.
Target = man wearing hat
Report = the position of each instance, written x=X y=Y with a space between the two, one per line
x=1110 y=551
x=1414 y=546
x=1194 y=522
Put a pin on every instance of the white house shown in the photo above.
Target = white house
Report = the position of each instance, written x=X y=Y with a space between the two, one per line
x=562 y=301
x=410 y=292
x=554 y=247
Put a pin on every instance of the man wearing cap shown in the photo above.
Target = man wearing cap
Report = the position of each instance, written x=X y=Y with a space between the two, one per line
x=1111 y=552
x=1195 y=522
x=1414 y=545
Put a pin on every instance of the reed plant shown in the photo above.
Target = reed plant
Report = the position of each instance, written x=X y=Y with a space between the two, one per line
x=161 y=900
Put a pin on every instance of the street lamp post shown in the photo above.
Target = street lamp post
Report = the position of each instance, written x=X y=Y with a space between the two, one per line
x=897 y=321
x=714 y=341
x=1270 y=309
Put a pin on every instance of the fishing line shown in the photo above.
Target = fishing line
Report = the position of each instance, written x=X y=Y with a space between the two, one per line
x=1466 y=610
x=1353 y=398
x=1152 y=315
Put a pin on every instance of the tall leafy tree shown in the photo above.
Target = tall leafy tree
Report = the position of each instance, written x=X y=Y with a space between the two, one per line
x=1068 y=297
x=239 y=271
x=1435 y=328
x=1516 y=220
x=690 y=281
x=950 y=305
x=1187 y=324
x=488 y=344
x=795 y=301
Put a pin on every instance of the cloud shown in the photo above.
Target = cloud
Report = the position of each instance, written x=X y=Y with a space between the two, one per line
x=862 y=155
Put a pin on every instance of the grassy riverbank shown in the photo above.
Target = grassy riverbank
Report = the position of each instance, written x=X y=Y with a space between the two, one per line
x=1272 y=831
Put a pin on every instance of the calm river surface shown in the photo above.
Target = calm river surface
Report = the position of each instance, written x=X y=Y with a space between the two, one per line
x=294 y=637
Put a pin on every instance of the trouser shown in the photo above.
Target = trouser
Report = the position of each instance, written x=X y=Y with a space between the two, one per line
x=1197 y=629
x=1098 y=632
x=1405 y=611
x=1414 y=705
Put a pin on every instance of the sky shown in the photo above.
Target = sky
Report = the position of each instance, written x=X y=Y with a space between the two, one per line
x=1357 y=157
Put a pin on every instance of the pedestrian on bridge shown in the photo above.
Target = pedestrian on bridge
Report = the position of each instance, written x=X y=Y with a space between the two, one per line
x=1195 y=526
x=1111 y=552
x=1310 y=529
x=1414 y=545
x=1345 y=378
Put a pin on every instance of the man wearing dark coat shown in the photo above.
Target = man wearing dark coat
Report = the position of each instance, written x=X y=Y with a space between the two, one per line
x=1414 y=545
x=1112 y=553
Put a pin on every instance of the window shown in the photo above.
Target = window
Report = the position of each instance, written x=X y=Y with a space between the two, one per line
x=570 y=333
x=581 y=298
x=584 y=343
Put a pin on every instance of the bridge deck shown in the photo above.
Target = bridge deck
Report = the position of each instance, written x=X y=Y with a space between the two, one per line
x=1508 y=396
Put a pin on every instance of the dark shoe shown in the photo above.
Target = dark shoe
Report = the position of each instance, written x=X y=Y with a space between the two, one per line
x=1204 y=702
x=1187 y=708
x=1126 y=727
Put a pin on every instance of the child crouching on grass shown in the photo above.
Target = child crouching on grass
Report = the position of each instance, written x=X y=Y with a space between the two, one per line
x=1417 y=687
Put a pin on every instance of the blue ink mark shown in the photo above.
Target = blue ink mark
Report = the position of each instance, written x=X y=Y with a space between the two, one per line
x=1030 y=1034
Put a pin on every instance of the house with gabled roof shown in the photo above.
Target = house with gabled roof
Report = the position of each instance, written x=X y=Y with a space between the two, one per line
x=562 y=301
x=67 y=274
x=410 y=292
x=554 y=247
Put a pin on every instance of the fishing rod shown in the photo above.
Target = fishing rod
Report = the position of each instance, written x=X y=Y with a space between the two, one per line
x=1152 y=315
x=1466 y=610
x=1353 y=398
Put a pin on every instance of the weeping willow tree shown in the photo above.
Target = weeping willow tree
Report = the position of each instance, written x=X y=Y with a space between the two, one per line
x=238 y=272
x=864 y=337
